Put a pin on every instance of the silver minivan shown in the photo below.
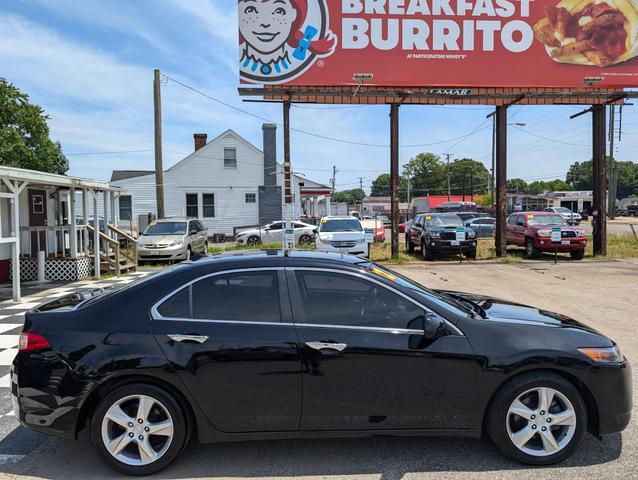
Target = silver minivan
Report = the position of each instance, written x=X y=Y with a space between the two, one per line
x=174 y=238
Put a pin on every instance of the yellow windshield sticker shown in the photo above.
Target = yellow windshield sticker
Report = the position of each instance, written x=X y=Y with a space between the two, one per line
x=383 y=274
x=428 y=218
x=324 y=220
x=153 y=223
x=530 y=216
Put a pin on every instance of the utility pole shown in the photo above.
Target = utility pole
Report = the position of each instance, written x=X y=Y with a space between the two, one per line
x=334 y=177
x=448 y=155
x=471 y=185
x=159 y=169
x=613 y=170
x=361 y=183
x=408 y=174
x=394 y=178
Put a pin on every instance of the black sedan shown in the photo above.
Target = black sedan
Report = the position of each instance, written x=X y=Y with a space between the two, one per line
x=261 y=345
x=440 y=233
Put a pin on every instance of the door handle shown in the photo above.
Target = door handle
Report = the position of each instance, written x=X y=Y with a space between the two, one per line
x=327 y=346
x=182 y=337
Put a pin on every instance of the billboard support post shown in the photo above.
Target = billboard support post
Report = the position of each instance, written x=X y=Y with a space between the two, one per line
x=287 y=210
x=501 y=180
x=599 y=140
x=394 y=177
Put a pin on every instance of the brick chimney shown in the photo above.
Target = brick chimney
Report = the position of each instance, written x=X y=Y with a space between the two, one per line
x=200 y=140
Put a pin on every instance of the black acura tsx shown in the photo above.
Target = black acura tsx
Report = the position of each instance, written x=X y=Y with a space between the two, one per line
x=261 y=345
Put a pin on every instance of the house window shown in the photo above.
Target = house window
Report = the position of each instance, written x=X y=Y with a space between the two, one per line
x=208 y=202
x=251 y=198
x=38 y=204
x=192 y=207
x=230 y=157
x=126 y=207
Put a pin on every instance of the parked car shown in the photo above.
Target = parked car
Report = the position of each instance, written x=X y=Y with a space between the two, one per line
x=632 y=210
x=533 y=231
x=403 y=227
x=376 y=226
x=484 y=226
x=436 y=233
x=572 y=218
x=457 y=207
x=174 y=238
x=387 y=223
x=258 y=345
x=465 y=216
x=273 y=233
x=343 y=235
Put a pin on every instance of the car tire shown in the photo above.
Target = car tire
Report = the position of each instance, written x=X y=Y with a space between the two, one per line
x=425 y=251
x=305 y=240
x=530 y=250
x=164 y=408
x=206 y=248
x=254 y=240
x=522 y=394
x=189 y=253
x=409 y=246
x=577 y=254
x=471 y=254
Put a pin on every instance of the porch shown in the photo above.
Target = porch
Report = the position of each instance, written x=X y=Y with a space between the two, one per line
x=62 y=223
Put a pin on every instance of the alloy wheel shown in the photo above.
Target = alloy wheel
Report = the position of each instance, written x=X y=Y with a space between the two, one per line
x=541 y=421
x=137 y=430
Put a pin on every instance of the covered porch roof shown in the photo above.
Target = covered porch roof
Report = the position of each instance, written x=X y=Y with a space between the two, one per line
x=54 y=179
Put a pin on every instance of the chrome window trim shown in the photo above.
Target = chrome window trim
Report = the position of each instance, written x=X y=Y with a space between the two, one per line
x=374 y=280
x=155 y=315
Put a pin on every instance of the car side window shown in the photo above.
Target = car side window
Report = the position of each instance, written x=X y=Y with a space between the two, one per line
x=177 y=306
x=276 y=226
x=512 y=220
x=242 y=296
x=329 y=298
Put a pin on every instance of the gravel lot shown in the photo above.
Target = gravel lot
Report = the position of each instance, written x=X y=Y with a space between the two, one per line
x=602 y=294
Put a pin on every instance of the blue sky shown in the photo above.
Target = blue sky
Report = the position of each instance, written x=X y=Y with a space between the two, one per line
x=90 y=64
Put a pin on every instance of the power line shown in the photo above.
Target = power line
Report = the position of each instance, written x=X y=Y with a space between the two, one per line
x=119 y=152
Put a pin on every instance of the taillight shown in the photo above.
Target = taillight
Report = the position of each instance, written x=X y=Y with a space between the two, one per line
x=32 y=341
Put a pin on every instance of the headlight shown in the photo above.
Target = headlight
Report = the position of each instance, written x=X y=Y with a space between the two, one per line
x=324 y=240
x=579 y=233
x=603 y=354
x=140 y=244
x=435 y=235
x=544 y=233
x=471 y=233
x=176 y=242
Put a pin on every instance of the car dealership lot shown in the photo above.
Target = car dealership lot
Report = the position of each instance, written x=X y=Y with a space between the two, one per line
x=601 y=294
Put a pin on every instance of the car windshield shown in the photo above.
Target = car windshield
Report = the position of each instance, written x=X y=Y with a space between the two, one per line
x=341 y=225
x=545 y=220
x=166 y=228
x=562 y=210
x=443 y=221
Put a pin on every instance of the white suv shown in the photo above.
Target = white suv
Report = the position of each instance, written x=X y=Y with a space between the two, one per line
x=570 y=217
x=343 y=235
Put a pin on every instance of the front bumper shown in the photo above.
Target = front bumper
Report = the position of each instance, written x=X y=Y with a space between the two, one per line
x=436 y=245
x=611 y=388
x=545 y=244
x=175 y=252
x=361 y=249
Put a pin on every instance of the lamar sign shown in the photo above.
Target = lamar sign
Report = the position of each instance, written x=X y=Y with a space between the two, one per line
x=452 y=43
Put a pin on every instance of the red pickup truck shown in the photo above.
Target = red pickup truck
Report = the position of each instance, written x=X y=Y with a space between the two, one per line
x=533 y=230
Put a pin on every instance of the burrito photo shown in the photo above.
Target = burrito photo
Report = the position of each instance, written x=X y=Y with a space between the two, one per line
x=590 y=32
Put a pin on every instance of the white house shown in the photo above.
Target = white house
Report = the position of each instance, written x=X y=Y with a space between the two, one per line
x=226 y=183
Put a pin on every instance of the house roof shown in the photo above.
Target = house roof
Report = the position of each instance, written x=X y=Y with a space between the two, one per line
x=44 y=178
x=124 y=174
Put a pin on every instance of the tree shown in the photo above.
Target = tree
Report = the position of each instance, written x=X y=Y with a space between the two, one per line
x=381 y=186
x=427 y=174
x=538 y=187
x=24 y=134
x=517 y=185
x=580 y=174
x=349 y=196
x=467 y=174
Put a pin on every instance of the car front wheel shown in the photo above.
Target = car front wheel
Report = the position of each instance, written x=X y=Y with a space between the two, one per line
x=409 y=246
x=425 y=251
x=577 y=254
x=139 y=429
x=530 y=250
x=538 y=418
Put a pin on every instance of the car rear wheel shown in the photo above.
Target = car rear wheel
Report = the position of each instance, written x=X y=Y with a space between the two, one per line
x=530 y=250
x=537 y=418
x=254 y=240
x=577 y=254
x=409 y=246
x=139 y=429
x=305 y=240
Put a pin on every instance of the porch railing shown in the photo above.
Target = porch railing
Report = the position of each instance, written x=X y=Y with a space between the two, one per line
x=52 y=239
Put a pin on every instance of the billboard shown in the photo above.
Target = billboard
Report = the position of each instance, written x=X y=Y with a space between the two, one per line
x=453 y=43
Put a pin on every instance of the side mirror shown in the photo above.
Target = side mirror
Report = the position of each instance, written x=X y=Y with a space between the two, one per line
x=432 y=326
x=520 y=223
x=315 y=230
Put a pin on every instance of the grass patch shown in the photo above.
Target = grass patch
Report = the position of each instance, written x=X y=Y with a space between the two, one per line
x=229 y=247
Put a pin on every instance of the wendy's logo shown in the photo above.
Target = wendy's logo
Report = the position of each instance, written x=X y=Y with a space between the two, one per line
x=281 y=39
